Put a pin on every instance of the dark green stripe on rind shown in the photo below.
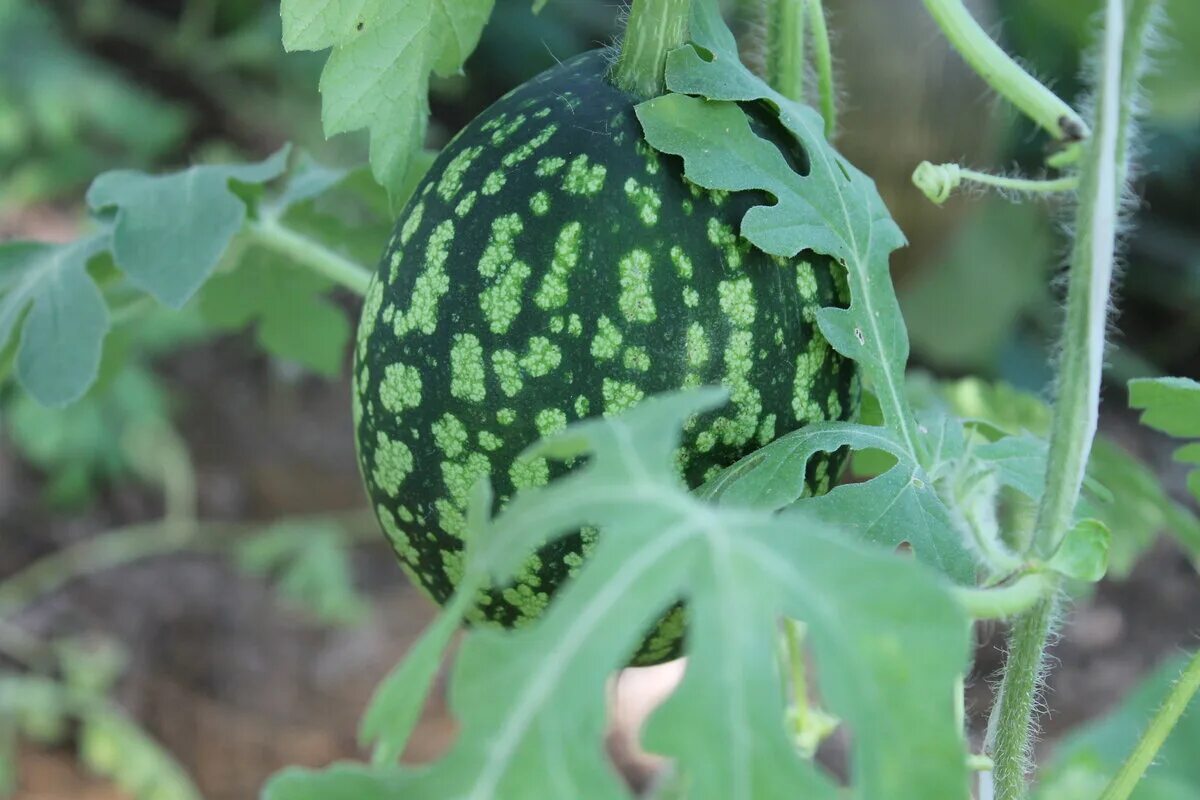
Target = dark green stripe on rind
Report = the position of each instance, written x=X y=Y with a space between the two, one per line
x=551 y=267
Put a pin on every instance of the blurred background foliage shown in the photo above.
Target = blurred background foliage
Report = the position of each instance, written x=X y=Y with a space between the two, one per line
x=188 y=411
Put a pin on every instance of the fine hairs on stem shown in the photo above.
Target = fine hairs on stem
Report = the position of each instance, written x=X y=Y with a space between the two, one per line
x=1103 y=175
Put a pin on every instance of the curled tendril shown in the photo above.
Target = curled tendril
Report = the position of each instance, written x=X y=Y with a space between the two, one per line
x=937 y=181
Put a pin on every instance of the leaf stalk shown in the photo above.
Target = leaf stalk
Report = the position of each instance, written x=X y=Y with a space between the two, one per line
x=273 y=234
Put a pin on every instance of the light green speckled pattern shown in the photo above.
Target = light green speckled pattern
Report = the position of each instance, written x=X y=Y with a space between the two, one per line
x=551 y=267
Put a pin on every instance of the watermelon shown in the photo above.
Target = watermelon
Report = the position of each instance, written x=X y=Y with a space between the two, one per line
x=552 y=267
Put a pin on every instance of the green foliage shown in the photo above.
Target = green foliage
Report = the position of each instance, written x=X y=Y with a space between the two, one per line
x=109 y=743
x=47 y=295
x=377 y=76
x=309 y=564
x=1172 y=405
x=1120 y=491
x=169 y=231
x=1084 y=553
x=293 y=320
x=165 y=235
x=1084 y=762
x=834 y=209
x=531 y=701
x=900 y=505
x=65 y=115
x=114 y=747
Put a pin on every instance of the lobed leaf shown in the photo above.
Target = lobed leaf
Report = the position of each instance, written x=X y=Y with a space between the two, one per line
x=888 y=641
x=901 y=505
x=833 y=208
x=169 y=231
x=1172 y=405
x=377 y=76
x=292 y=317
x=49 y=300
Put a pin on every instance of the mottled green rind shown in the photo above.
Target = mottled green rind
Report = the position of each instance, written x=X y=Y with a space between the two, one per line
x=550 y=267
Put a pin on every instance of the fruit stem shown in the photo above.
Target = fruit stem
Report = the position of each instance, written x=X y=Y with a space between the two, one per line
x=655 y=28
x=1152 y=740
x=785 y=47
x=273 y=234
x=823 y=56
x=1004 y=74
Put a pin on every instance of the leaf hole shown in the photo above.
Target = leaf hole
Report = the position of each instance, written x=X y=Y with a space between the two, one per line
x=766 y=124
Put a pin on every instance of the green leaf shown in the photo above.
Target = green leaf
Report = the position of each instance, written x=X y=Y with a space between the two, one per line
x=1120 y=490
x=898 y=506
x=1086 y=759
x=339 y=782
x=396 y=706
x=292 y=318
x=377 y=76
x=113 y=746
x=834 y=209
x=887 y=639
x=1083 y=554
x=1172 y=405
x=169 y=231
x=310 y=565
x=50 y=301
x=37 y=706
x=81 y=445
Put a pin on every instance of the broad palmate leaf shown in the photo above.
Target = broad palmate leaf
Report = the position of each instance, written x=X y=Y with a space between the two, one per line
x=887 y=639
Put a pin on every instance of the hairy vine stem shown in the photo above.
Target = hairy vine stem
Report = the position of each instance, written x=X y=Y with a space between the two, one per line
x=1102 y=177
x=655 y=28
x=1004 y=74
x=1009 y=728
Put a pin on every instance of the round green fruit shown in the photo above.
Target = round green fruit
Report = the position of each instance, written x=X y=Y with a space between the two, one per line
x=552 y=267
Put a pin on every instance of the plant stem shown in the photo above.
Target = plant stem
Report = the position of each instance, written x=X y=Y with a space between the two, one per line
x=1010 y=724
x=1152 y=740
x=129 y=544
x=1006 y=601
x=1102 y=176
x=1003 y=74
x=785 y=47
x=823 y=56
x=655 y=28
x=1077 y=404
x=270 y=232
